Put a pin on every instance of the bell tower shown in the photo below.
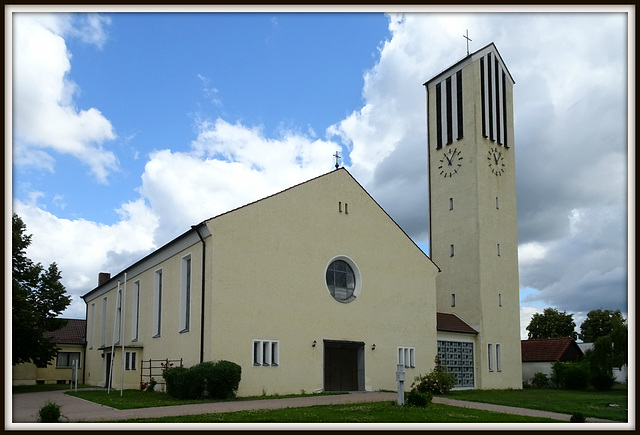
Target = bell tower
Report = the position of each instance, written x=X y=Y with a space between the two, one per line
x=472 y=209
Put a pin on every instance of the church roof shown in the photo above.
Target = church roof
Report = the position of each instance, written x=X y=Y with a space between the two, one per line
x=451 y=323
x=193 y=229
x=74 y=332
x=550 y=350
x=468 y=59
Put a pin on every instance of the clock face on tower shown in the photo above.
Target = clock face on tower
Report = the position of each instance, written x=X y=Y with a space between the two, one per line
x=450 y=163
x=496 y=161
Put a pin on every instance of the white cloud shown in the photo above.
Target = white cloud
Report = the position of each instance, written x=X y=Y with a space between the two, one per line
x=230 y=165
x=44 y=116
x=80 y=247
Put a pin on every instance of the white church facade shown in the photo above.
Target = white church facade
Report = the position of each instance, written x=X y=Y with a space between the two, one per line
x=317 y=288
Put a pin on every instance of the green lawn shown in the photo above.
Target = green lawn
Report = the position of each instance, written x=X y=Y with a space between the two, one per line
x=371 y=412
x=132 y=399
x=19 y=389
x=589 y=402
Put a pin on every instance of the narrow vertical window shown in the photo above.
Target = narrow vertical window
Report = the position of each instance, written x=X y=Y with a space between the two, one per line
x=449 y=113
x=340 y=206
x=499 y=299
x=498 y=103
x=498 y=249
x=91 y=323
x=400 y=356
x=185 y=294
x=275 y=353
x=118 y=320
x=459 y=103
x=346 y=208
x=453 y=299
x=257 y=353
x=483 y=98
x=266 y=353
x=497 y=203
x=450 y=203
x=157 y=303
x=504 y=110
x=498 y=358
x=438 y=116
x=490 y=356
x=412 y=357
x=103 y=332
x=135 y=311
x=451 y=250
x=490 y=92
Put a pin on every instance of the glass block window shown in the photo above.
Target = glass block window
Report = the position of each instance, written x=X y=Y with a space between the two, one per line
x=457 y=357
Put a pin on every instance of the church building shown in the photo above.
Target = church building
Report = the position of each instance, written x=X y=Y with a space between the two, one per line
x=316 y=288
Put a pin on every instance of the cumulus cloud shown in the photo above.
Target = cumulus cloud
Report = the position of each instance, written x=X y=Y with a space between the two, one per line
x=229 y=165
x=80 y=247
x=45 y=118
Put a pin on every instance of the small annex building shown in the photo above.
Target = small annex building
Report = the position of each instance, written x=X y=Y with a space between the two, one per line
x=70 y=340
x=313 y=288
x=538 y=355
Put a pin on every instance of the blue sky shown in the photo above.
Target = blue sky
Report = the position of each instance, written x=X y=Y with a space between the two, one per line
x=127 y=128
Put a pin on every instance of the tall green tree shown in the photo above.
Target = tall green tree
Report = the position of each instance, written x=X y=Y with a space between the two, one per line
x=599 y=323
x=38 y=297
x=552 y=324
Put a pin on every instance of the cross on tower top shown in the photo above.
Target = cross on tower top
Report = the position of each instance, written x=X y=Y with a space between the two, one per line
x=467 y=38
x=337 y=156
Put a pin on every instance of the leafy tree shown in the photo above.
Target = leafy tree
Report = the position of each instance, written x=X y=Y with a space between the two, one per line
x=38 y=298
x=598 y=324
x=609 y=351
x=552 y=324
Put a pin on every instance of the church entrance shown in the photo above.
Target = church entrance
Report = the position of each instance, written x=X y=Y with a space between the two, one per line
x=343 y=365
x=107 y=359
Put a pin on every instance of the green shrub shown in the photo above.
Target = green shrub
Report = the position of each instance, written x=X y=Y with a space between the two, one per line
x=603 y=381
x=174 y=382
x=219 y=379
x=222 y=379
x=540 y=380
x=570 y=375
x=49 y=413
x=436 y=382
x=417 y=398
x=577 y=417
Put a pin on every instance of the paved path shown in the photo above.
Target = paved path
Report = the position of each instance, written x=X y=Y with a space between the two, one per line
x=25 y=407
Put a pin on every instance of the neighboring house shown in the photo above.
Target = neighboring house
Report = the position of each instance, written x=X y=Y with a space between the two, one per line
x=70 y=340
x=539 y=355
x=621 y=373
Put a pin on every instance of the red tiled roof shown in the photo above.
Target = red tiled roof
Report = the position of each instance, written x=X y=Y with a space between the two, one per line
x=550 y=350
x=452 y=323
x=73 y=333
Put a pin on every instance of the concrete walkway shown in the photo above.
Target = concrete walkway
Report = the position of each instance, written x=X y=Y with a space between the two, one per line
x=25 y=407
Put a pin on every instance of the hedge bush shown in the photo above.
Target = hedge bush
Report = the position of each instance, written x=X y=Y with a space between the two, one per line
x=49 y=413
x=218 y=379
x=540 y=380
x=222 y=379
x=570 y=375
x=417 y=398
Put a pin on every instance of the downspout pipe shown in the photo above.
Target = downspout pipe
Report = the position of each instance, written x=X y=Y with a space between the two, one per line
x=204 y=252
